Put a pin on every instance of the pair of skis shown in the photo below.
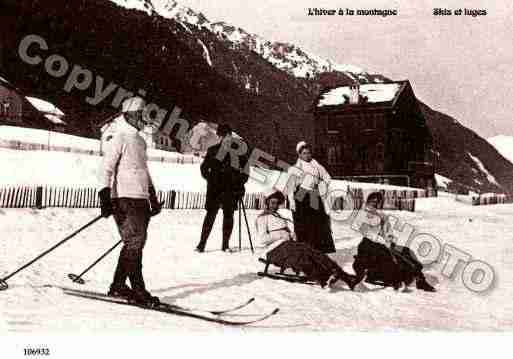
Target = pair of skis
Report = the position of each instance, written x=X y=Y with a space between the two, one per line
x=215 y=316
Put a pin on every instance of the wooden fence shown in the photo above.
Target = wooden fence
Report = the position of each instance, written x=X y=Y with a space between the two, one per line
x=49 y=196
x=484 y=200
x=402 y=200
x=41 y=197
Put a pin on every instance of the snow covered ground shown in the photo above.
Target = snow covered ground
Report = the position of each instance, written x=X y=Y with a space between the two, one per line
x=215 y=279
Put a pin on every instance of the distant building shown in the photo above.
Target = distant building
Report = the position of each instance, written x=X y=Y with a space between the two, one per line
x=17 y=110
x=374 y=133
x=155 y=139
x=10 y=106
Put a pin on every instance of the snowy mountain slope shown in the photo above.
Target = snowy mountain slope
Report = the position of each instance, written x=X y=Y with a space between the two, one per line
x=442 y=182
x=302 y=65
x=142 y=5
x=483 y=169
x=465 y=157
x=504 y=145
x=287 y=57
x=266 y=106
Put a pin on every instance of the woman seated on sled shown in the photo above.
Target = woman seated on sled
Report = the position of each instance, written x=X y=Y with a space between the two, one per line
x=285 y=252
x=272 y=228
x=379 y=259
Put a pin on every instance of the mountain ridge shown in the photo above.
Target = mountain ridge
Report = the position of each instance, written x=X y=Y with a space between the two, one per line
x=209 y=78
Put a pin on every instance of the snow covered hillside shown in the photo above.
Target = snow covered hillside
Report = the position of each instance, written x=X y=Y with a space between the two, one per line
x=287 y=57
x=57 y=168
x=441 y=181
x=142 y=5
x=53 y=168
x=215 y=279
x=504 y=145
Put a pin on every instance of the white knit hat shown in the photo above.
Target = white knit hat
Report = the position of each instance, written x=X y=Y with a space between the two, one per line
x=132 y=104
x=300 y=146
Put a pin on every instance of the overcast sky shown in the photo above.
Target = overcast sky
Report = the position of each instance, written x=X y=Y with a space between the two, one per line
x=460 y=65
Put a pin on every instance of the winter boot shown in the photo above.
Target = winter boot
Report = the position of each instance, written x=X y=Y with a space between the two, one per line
x=140 y=295
x=143 y=297
x=350 y=280
x=359 y=270
x=422 y=284
x=120 y=291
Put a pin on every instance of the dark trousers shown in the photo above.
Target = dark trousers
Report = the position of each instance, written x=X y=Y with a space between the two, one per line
x=227 y=201
x=132 y=217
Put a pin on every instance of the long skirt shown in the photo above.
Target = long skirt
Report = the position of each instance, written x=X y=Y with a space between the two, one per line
x=300 y=257
x=312 y=224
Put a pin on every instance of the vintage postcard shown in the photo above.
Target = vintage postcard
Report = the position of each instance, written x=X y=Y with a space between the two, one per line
x=184 y=172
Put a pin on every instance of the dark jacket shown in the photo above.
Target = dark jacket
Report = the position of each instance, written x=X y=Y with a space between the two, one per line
x=220 y=175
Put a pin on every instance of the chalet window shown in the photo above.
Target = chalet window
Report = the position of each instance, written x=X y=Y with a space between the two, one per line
x=428 y=154
x=347 y=150
x=340 y=153
x=332 y=155
x=380 y=151
x=4 y=108
x=363 y=157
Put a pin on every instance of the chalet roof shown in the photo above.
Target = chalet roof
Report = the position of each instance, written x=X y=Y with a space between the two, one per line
x=46 y=109
x=380 y=93
x=50 y=111
x=3 y=81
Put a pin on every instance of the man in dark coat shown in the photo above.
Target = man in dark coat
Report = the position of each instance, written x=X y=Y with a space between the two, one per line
x=225 y=186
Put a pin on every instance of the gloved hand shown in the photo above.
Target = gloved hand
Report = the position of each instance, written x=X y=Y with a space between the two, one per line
x=390 y=239
x=155 y=205
x=105 y=202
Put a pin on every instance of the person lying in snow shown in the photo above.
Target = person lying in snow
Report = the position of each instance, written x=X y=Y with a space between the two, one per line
x=285 y=252
x=379 y=259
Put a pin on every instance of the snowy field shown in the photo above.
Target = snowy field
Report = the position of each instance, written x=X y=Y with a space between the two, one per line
x=28 y=168
x=53 y=168
x=214 y=279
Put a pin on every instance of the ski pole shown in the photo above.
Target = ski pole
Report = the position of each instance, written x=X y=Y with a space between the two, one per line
x=3 y=281
x=78 y=278
x=247 y=225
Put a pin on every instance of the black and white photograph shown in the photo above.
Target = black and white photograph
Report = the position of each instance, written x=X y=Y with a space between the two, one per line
x=247 y=179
